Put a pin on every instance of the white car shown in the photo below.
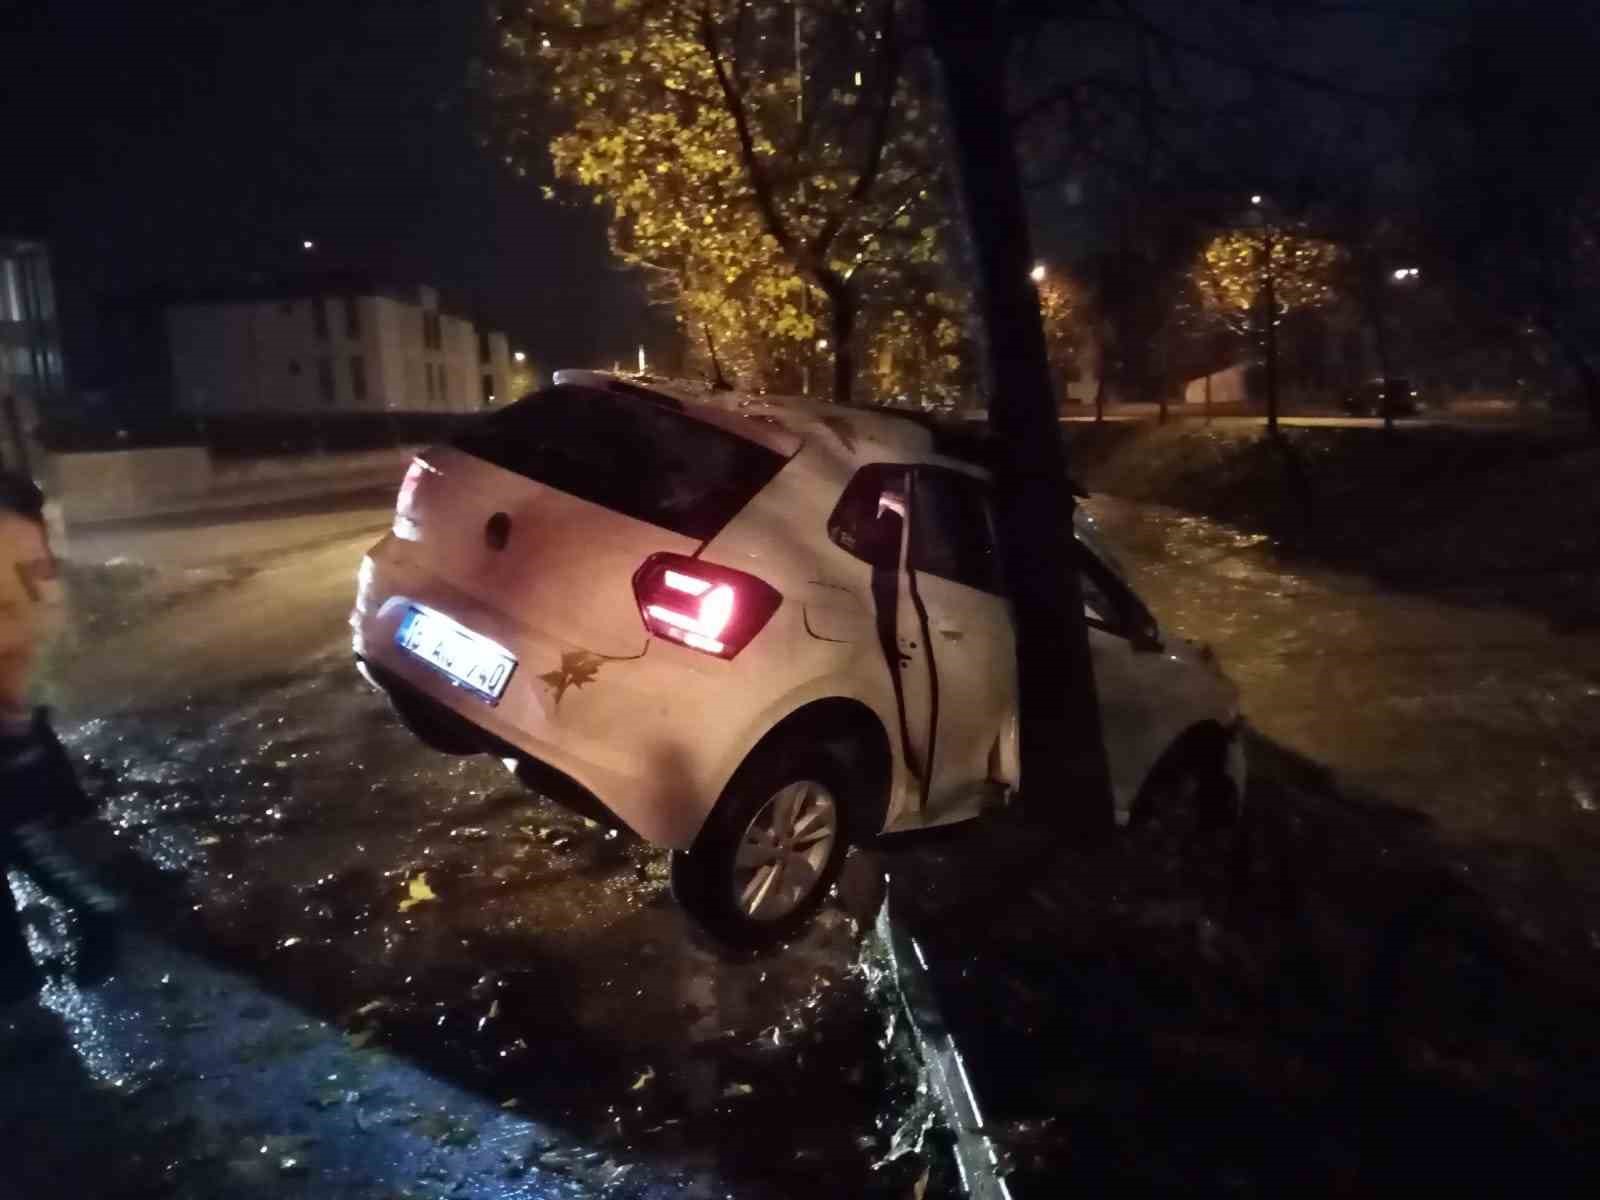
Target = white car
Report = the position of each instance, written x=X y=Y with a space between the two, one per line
x=749 y=629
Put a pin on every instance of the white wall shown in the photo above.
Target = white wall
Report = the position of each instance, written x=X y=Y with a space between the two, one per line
x=1227 y=387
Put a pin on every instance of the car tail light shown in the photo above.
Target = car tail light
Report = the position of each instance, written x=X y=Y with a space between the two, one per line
x=408 y=487
x=405 y=522
x=701 y=605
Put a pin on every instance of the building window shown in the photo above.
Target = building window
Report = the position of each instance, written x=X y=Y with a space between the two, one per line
x=352 y=317
x=319 y=318
x=432 y=335
x=325 y=380
x=483 y=346
x=358 y=377
x=488 y=390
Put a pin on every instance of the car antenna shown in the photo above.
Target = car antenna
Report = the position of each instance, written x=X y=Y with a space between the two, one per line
x=719 y=381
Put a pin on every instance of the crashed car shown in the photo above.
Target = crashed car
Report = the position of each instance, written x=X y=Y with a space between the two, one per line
x=751 y=630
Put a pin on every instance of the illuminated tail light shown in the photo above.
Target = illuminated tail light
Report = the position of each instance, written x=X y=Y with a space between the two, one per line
x=702 y=606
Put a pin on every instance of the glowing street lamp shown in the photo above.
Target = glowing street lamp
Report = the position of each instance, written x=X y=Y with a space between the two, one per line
x=520 y=357
x=1256 y=199
x=308 y=244
x=1037 y=274
x=822 y=343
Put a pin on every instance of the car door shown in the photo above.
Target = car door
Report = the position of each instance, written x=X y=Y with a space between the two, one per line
x=870 y=522
x=1124 y=646
x=957 y=591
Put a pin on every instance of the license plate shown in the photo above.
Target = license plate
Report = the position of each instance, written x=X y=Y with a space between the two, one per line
x=467 y=659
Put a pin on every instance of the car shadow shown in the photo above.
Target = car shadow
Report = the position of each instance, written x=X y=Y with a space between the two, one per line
x=1330 y=999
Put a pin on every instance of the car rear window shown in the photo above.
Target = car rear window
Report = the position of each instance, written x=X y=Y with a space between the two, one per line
x=628 y=452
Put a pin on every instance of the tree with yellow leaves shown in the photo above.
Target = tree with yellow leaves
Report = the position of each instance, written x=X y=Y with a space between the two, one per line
x=1251 y=278
x=769 y=164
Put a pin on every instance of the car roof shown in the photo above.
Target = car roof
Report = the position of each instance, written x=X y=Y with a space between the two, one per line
x=857 y=435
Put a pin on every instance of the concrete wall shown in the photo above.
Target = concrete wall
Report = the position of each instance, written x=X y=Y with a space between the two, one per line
x=233 y=473
x=132 y=481
x=119 y=484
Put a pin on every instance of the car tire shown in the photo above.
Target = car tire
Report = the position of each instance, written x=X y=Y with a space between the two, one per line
x=1187 y=798
x=772 y=848
x=433 y=730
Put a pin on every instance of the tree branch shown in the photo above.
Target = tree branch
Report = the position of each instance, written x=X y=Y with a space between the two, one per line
x=760 y=184
x=877 y=138
x=589 y=34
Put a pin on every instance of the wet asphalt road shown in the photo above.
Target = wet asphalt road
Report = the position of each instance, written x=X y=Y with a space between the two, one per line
x=406 y=917
x=518 y=1000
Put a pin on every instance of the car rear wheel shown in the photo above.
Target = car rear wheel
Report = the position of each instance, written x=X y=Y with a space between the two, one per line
x=771 y=850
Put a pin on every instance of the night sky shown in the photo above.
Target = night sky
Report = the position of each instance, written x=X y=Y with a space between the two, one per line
x=186 y=142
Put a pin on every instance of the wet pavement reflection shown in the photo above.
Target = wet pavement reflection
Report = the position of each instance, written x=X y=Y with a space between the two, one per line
x=399 y=970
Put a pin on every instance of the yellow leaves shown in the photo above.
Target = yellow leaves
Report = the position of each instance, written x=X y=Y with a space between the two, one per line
x=417 y=892
x=1234 y=269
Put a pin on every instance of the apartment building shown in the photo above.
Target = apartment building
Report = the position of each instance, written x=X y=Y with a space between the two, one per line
x=331 y=344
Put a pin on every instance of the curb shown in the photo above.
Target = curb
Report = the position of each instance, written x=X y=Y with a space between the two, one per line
x=977 y=1160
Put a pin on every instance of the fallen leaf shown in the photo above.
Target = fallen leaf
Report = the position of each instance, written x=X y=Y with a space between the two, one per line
x=644 y=1080
x=578 y=667
x=737 y=1089
x=417 y=891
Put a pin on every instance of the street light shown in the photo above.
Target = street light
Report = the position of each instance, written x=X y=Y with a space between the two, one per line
x=1256 y=199
x=1037 y=274
x=1406 y=273
x=308 y=244
x=822 y=343
x=520 y=356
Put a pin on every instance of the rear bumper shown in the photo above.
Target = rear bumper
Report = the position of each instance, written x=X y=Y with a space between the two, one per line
x=561 y=788
x=653 y=737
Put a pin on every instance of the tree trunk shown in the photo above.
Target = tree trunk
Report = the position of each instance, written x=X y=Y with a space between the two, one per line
x=842 y=341
x=1271 y=305
x=1064 y=772
x=1373 y=302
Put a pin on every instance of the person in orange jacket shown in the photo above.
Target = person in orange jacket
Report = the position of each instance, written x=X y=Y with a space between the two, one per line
x=39 y=792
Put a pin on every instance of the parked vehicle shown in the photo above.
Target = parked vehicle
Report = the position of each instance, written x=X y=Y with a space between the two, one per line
x=750 y=630
x=1377 y=397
